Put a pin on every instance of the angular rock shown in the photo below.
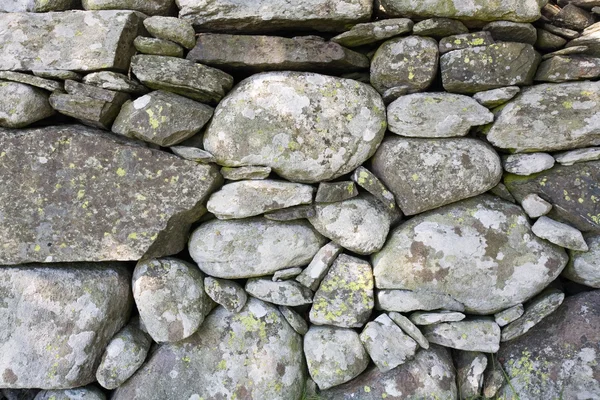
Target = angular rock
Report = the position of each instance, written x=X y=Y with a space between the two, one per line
x=392 y=94
x=373 y=185
x=436 y=115
x=286 y=109
x=334 y=355
x=42 y=83
x=345 y=297
x=478 y=334
x=547 y=41
x=584 y=267
x=269 y=15
x=507 y=31
x=81 y=89
x=579 y=155
x=221 y=359
x=573 y=17
x=426 y=174
x=64 y=213
x=429 y=318
x=89 y=111
x=294 y=319
x=115 y=81
x=85 y=41
x=286 y=293
x=226 y=293
x=36 y=6
x=493 y=378
x=173 y=29
x=409 y=328
x=465 y=40
x=331 y=192
x=162 y=118
x=535 y=206
x=286 y=274
x=507 y=316
x=22 y=105
x=559 y=233
x=373 y=32
x=184 y=77
x=193 y=154
x=386 y=344
x=243 y=173
x=527 y=164
x=486 y=278
x=406 y=301
x=568 y=68
x=469 y=370
x=591 y=40
x=410 y=61
x=59 y=319
x=474 y=69
x=256 y=54
x=314 y=273
x=82 y=393
x=439 y=28
x=496 y=97
x=501 y=191
x=291 y=213
x=568 y=121
x=158 y=47
x=148 y=7
x=253 y=247
x=57 y=74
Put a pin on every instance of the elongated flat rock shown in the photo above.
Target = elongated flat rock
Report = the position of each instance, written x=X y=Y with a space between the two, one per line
x=480 y=334
x=74 y=40
x=55 y=206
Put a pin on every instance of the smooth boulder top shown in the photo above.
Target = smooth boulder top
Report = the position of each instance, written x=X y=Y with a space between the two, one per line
x=305 y=126
x=480 y=251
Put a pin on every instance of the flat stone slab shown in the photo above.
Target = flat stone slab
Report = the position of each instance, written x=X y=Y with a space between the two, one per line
x=73 y=40
x=479 y=334
x=55 y=205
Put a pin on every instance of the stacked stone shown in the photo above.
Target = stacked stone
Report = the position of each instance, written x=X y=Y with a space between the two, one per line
x=402 y=202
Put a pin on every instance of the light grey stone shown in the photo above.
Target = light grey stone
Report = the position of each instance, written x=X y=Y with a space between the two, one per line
x=373 y=32
x=148 y=7
x=331 y=192
x=559 y=233
x=243 y=173
x=114 y=81
x=408 y=300
x=226 y=293
x=314 y=273
x=580 y=155
x=429 y=318
x=22 y=105
x=292 y=213
x=507 y=31
x=286 y=274
x=493 y=378
x=477 y=334
x=57 y=74
x=409 y=328
x=36 y=6
x=171 y=28
x=82 y=393
x=584 y=267
x=470 y=367
x=535 y=206
x=527 y=164
x=92 y=112
x=568 y=68
x=501 y=191
x=42 y=83
x=465 y=40
x=158 y=47
x=439 y=28
x=496 y=97
x=507 y=316
x=193 y=154
x=82 y=89
x=368 y=181
x=393 y=93
x=294 y=319
x=286 y=293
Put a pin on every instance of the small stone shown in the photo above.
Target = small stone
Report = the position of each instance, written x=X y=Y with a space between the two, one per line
x=89 y=111
x=285 y=274
x=57 y=74
x=501 y=191
x=547 y=41
x=244 y=173
x=563 y=32
x=373 y=32
x=528 y=164
x=286 y=293
x=115 y=81
x=559 y=233
x=81 y=393
x=496 y=97
x=493 y=379
x=470 y=367
x=584 y=267
x=193 y=154
x=373 y=185
x=537 y=309
x=294 y=319
x=439 y=28
x=573 y=17
x=292 y=213
x=226 y=293
x=314 y=273
x=407 y=301
x=436 y=115
x=158 y=47
x=334 y=355
x=332 y=192
x=249 y=198
x=578 y=155
x=507 y=31
x=81 y=89
x=169 y=295
x=409 y=328
x=568 y=68
x=535 y=206
x=42 y=83
x=430 y=318
x=345 y=297
x=387 y=345
x=22 y=105
x=566 y=52
x=509 y=315
x=148 y=7
x=477 y=334
x=465 y=40
x=393 y=93
x=173 y=29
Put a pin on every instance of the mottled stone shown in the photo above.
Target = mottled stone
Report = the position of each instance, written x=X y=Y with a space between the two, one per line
x=568 y=68
x=114 y=81
x=429 y=318
x=89 y=111
x=465 y=40
x=173 y=29
x=439 y=28
x=285 y=274
x=243 y=173
x=407 y=300
x=507 y=316
x=36 y=6
x=584 y=267
x=535 y=206
x=496 y=97
x=409 y=328
x=331 y=192
x=292 y=213
x=507 y=31
x=158 y=47
x=148 y=7
x=314 y=273
x=22 y=105
x=563 y=32
x=373 y=32
x=57 y=74
x=393 y=93
x=365 y=179
x=501 y=191
x=82 y=393
x=572 y=17
x=527 y=164
x=226 y=293
x=493 y=378
x=193 y=154
x=91 y=196
x=286 y=293
x=57 y=320
x=470 y=366
x=477 y=334
x=294 y=319
x=559 y=233
x=580 y=155
x=547 y=41
x=42 y=83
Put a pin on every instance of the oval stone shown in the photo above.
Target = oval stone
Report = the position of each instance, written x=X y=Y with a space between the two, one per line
x=307 y=127
x=480 y=251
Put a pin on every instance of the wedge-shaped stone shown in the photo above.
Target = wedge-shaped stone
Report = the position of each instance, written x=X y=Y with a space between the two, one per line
x=387 y=345
x=470 y=366
x=307 y=127
x=286 y=293
x=568 y=68
x=59 y=318
x=478 y=334
x=75 y=40
x=373 y=32
x=65 y=189
x=428 y=173
x=22 y=105
x=480 y=251
x=407 y=300
x=584 y=267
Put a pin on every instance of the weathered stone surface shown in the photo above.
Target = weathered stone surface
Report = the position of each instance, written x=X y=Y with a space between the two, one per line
x=527 y=164
x=63 y=213
x=183 y=77
x=509 y=315
x=409 y=328
x=226 y=293
x=436 y=115
x=410 y=61
x=426 y=174
x=429 y=375
x=477 y=334
x=57 y=74
x=407 y=300
x=314 y=273
x=481 y=10
x=221 y=360
x=469 y=370
x=292 y=213
x=429 y=318
x=294 y=319
x=249 y=198
x=558 y=233
x=114 y=81
x=568 y=68
x=42 y=83
x=286 y=109
x=242 y=173
x=75 y=40
x=493 y=378
x=89 y=111
x=158 y=47
x=474 y=69
x=173 y=29
x=193 y=154
x=563 y=32
x=569 y=118
x=124 y=354
x=507 y=31
x=496 y=97
x=148 y=7
x=580 y=155
x=13 y=6
x=286 y=293
x=465 y=40
x=57 y=320
x=584 y=267
x=268 y=15
x=271 y=53
x=334 y=355
x=331 y=192
x=285 y=274
x=373 y=32
x=573 y=17
x=373 y=185
x=547 y=41
x=83 y=393
x=501 y=191
x=535 y=206
x=505 y=264
x=439 y=28
x=81 y=89
x=253 y=247
x=22 y=105
x=557 y=357
x=345 y=297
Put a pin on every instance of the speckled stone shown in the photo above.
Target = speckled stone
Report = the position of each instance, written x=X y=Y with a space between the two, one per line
x=158 y=47
x=559 y=233
x=373 y=32
x=576 y=156
x=508 y=31
x=294 y=319
x=568 y=68
x=465 y=40
x=286 y=293
x=429 y=318
x=148 y=7
x=292 y=213
x=439 y=28
x=470 y=366
x=82 y=393
x=477 y=334
x=409 y=328
x=331 y=192
x=527 y=164
x=407 y=300
x=226 y=293
x=32 y=80
x=242 y=173
x=286 y=274
x=22 y=105
x=314 y=273
x=368 y=181
x=584 y=267
x=193 y=154
x=507 y=316
x=36 y=6
x=171 y=28
x=496 y=97
x=114 y=81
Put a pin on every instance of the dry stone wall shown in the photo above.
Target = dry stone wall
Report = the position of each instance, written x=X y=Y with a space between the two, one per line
x=318 y=199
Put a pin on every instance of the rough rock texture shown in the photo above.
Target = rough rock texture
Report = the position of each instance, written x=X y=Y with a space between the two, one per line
x=241 y=173
x=331 y=192
x=409 y=328
x=480 y=251
x=148 y=7
x=114 y=81
x=568 y=68
x=286 y=293
x=158 y=47
x=83 y=393
x=173 y=29
x=507 y=31
x=558 y=233
x=527 y=164
x=225 y=358
x=89 y=111
x=42 y=83
x=439 y=28
x=285 y=108
x=294 y=319
x=226 y=293
x=373 y=32
x=477 y=334
x=584 y=267
x=55 y=206
x=580 y=155
x=57 y=320
x=14 y=6
x=496 y=97
x=407 y=300
x=470 y=366
x=465 y=40
x=312 y=275
x=22 y=105
x=429 y=318
x=535 y=206
x=507 y=316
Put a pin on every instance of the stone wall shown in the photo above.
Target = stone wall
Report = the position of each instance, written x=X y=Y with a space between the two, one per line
x=313 y=199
